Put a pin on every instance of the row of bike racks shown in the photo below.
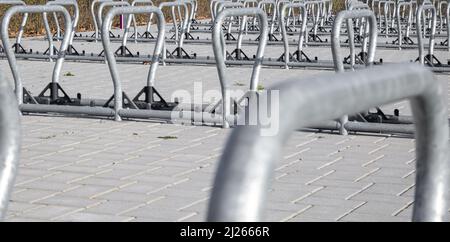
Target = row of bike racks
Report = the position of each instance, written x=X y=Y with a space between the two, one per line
x=282 y=19
x=324 y=103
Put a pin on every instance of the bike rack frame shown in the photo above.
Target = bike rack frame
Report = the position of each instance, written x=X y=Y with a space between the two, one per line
x=304 y=18
x=335 y=43
x=18 y=48
x=429 y=59
x=10 y=139
x=94 y=17
x=220 y=53
x=246 y=167
x=69 y=3
x=54 y=85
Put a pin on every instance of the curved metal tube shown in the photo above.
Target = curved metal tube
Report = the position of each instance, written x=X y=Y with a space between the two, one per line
x=107 y=4
x=147 y=3
x=218 y=48
x=109 y=54
x=335 y=43
x=10 y=54
x=76 y=15
x=420 y=10
x=94 y=16
x=24 y=19
x=302 y=35
x=9 y=144
x=245 y=170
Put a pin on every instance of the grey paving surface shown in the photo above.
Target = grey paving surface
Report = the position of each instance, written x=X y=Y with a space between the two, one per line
x=89 y=169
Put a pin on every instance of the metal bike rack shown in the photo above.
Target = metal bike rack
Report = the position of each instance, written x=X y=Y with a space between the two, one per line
x=220 y=53
x=94 y=3
x=69 y=3
x=164 y=110
x=54 y=86
x=179 y=36
x=18 y=48
x=404 y=39
x=430 y=59
x=10 y=139
x=147 y=34
x=270 y=6
x=298 y=55
x=247 y=164
x=122 y=50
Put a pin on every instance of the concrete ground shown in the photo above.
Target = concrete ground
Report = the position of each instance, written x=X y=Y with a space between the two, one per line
x=76 y=168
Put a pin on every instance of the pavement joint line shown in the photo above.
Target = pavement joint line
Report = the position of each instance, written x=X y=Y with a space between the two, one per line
x=367 y=174
x=350 y=211
x=45 y=197
x=131 y=209
x=338 y=151
x=359 y=191
x=411 y=161
x=95 y=152
x=406 y=206
x=406 y=189
x=412 y=150
x=308 y=194
x=281 y=176
x=320 y=177
x=27 y=181
x=17 y=191
x=297 y=213
x=306 y=142
x=193 y=203
x=71 y=144
x=378 y=149
x=296 y=153
x=372 y=161
x=287 y=164
x=188 y=171
x=140 y=173
x=409 y=174
x=344 y=140
x=181 y=181
x=65 y=150
x=103 y=193
x=128 y=219
x=330 y=163
x=127 y=184
x=183 y=148
x=61 y=166
x=66 y=214
x=187 y=217
x=203 y=138
x=380 y=140
x=18 y=213
x=71 y=188
x=42 y=156
x=142 y=149
x=206 y=189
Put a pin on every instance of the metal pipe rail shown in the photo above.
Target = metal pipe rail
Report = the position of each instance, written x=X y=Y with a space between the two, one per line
x=179 y=37
x=19 y=89
x=304 y=18
x=246 y=167
x=94 y=16
x=109 y=54
x=75 y=18
x=147 y=33
x=219 y=53
x=18 y=44
x=335 y=43
x=426 y=6
x=10 y=139
x=108 y=4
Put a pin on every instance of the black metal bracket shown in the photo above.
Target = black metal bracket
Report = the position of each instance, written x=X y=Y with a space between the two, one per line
x=123 y=51
x=237 y=54
x=126 y=102
x=18 y=49
x=54 y=88
x=152 y=100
